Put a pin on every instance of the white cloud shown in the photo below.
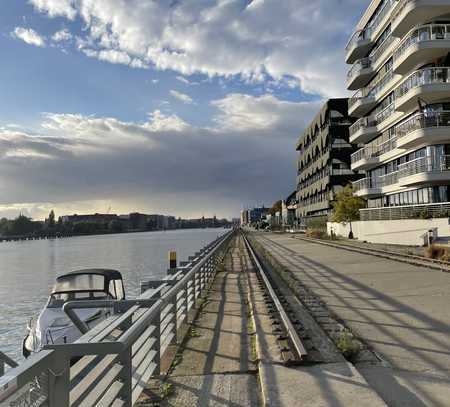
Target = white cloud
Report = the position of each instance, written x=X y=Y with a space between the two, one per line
x=185 y=81
x=253 y=39
x=164 y=163
x=62 y=36
x=56 y=8
x=29 y=36
x=182 y=97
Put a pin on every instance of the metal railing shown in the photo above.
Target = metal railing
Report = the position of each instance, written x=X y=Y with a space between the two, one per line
x=425 y=76
x=425 y=164
x=112 y=363
x=363 y=123
x=358 y=66
x=428 y=32
x=423 y=121
x=419 y=211
x=370 y=29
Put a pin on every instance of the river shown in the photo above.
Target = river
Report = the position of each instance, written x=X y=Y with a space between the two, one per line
x=28 y=269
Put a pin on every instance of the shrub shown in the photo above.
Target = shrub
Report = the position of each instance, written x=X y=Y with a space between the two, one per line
x=436 y=252
x=348 y=345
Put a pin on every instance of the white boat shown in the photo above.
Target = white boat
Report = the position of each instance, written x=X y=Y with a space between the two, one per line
x=53 y=326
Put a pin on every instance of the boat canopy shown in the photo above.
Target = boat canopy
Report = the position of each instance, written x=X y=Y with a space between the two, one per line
x=86 y=280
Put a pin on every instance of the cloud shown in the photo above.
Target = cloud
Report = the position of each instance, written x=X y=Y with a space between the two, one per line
x=182 y=97
x=254 y=40
x=163 y=164
x=185 y=81
x=56 y=8
x=62 y=36
x=29 y=36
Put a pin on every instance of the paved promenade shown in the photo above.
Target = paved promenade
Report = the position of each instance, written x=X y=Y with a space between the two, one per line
x=216 y=367
x=400 y=311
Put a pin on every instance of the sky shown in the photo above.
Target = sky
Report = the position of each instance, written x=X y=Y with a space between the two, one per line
x=183 y=107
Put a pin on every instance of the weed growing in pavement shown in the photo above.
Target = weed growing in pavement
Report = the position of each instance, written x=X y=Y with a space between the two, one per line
x=348 y=345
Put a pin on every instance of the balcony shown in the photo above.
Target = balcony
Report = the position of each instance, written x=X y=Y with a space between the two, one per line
x=424 y=129
x=424 y=43
x=360 y=74
x=357 y=47
x=363 y=130
x=425 y=170
x=410 y=13
x=420 y=211
x=361 y=103
x=389 y=182
x=430 y=84
x=366 y=187
x=364 y=158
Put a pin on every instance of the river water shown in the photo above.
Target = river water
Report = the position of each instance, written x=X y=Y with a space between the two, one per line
x=28 y=269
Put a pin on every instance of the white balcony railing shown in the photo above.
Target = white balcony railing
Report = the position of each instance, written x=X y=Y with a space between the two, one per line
x=429 y=32
x=362 y=123
x=372 y=27
x=425 y=164
x=425 y=76
x=358 y=66
x=423 y=121
x=373 y=151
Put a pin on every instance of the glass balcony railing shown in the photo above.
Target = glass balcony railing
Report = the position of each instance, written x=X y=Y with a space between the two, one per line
x=426 y=76
x=364 y=183
x=423 y=121
x=425 y=164
x=429 y=32
x=388 y=179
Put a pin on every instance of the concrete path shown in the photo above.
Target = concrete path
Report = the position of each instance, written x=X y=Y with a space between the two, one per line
x=216 y=367
x=399 y=310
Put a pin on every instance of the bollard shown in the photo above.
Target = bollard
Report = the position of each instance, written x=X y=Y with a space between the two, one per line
x=172 y=260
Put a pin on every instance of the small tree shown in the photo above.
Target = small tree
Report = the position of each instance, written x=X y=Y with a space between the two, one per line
x=51 y=219
x=346 y=207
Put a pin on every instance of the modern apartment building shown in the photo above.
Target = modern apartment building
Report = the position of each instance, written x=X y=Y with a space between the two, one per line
x=401 y=74
x=323 y=165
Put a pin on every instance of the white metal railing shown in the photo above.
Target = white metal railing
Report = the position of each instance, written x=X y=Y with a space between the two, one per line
x=364 y=183
x=416 y=211
x=422 y=121
x=113 y=362
x=379 y=51
x=401 y=4
x=364 y=122
x=388 y=179
x=425 y=76
x=354 y=39
x=428 y=32
x=425 y=164
x=372 y=27
x=385 y=113
x=358 y=66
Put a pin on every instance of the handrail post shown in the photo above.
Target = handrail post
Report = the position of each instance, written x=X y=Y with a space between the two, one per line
x=125 y=359
x=59 y=382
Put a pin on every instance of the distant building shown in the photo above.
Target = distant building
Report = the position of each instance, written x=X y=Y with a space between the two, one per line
x=94 y=218
x=257 y=214
x=324 y=159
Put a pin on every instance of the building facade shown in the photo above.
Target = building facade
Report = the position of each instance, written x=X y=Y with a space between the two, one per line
x=401 y=74
x=323 y=165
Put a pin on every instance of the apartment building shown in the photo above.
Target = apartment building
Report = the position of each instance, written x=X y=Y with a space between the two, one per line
x=401 y=77
x=323 y=165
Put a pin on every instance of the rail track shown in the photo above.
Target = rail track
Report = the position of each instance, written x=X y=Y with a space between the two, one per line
x=433 y=264
x=285 y=322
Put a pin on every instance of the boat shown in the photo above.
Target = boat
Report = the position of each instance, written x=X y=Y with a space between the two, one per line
x=53 y=326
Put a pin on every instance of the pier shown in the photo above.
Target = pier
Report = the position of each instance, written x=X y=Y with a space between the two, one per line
x=255 y=319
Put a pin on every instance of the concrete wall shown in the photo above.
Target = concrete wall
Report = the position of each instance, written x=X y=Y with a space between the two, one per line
x=407 y=231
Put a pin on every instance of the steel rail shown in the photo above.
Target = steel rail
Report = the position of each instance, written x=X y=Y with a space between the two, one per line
x=290 y=329
x=402 y=257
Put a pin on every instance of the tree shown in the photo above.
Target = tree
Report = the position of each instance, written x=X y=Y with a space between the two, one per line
x=276 y=207
x=346 y=207
x=51 y=219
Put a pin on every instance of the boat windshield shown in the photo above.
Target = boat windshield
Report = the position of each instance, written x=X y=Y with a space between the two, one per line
x=80 y=282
